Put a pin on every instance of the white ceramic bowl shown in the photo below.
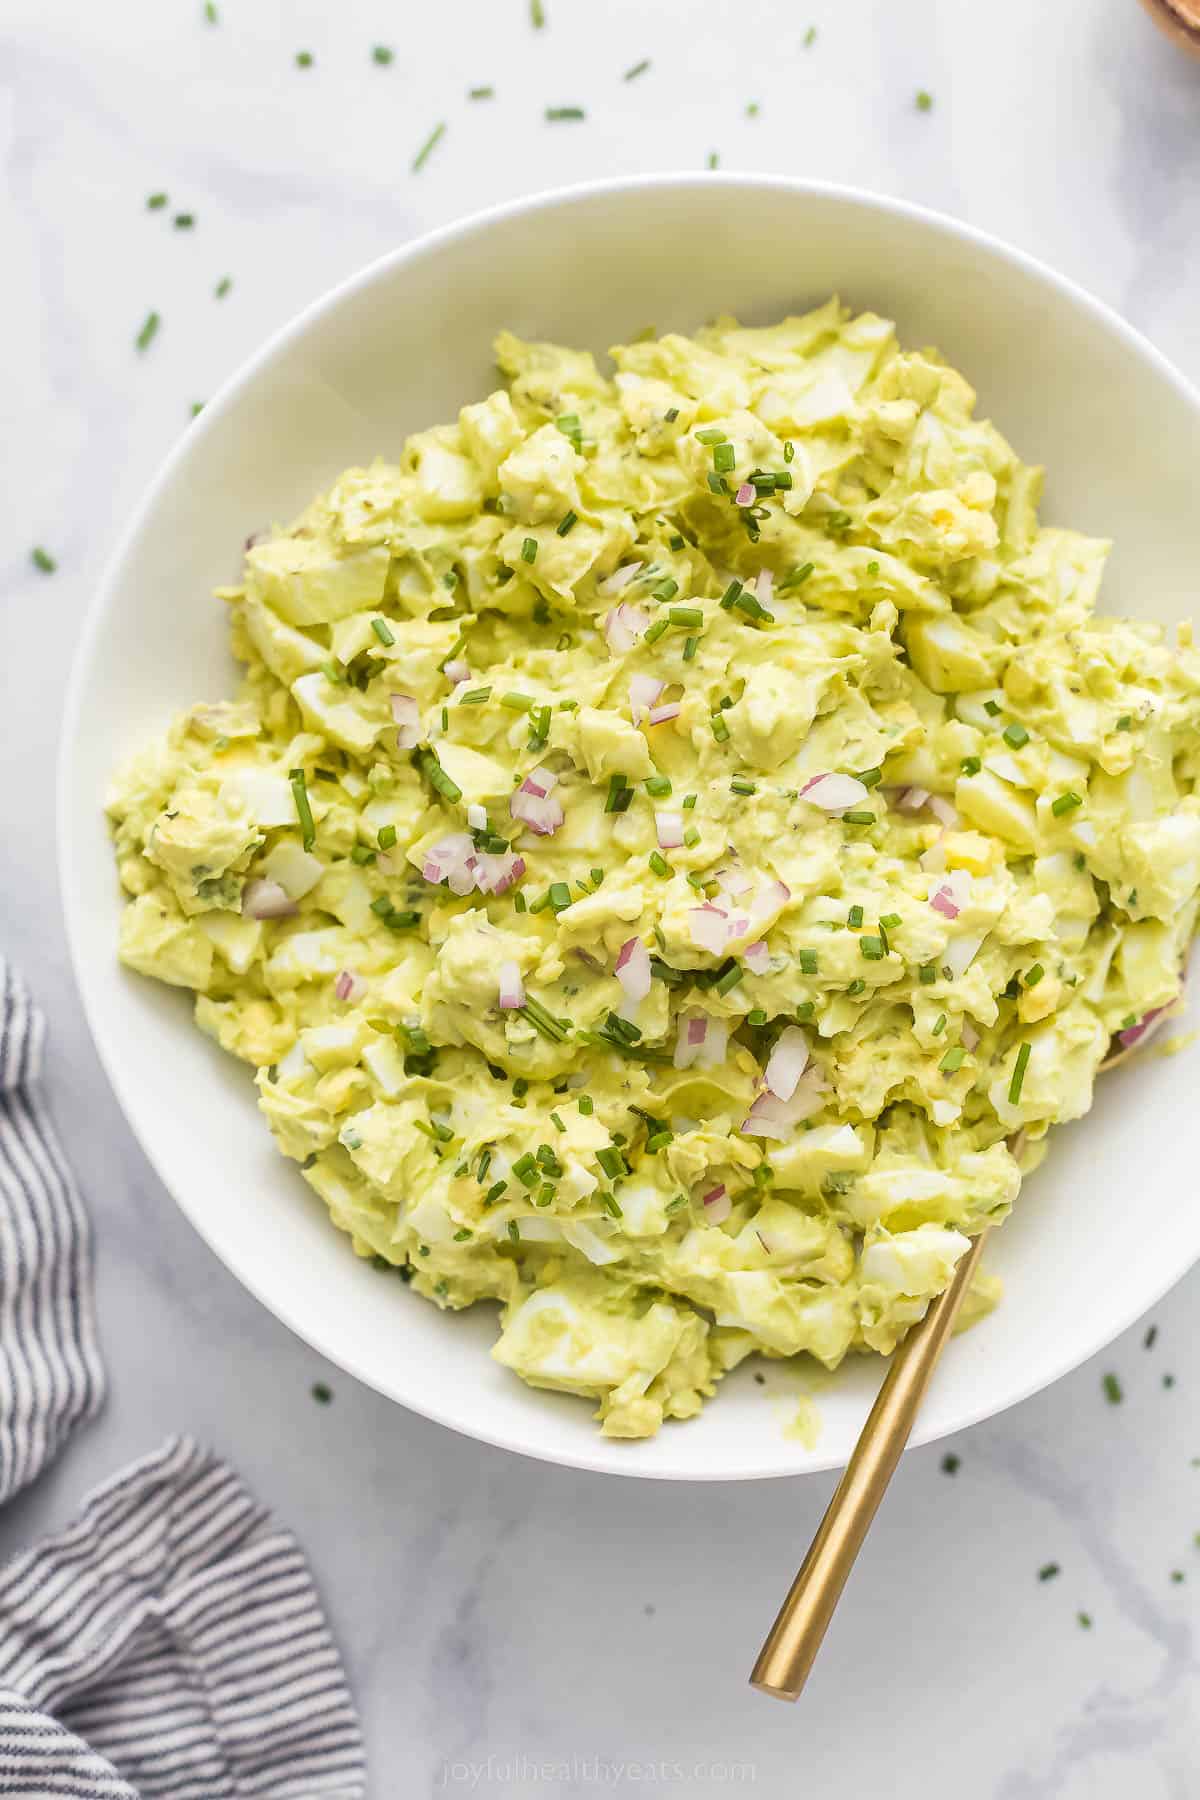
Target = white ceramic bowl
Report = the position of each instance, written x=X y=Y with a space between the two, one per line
x=1107 y=1225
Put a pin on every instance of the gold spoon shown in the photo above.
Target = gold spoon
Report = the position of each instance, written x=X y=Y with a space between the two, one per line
x=793 y=1641
x=1180 y=19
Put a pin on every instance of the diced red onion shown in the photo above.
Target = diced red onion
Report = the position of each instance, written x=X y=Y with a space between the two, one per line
x=534 y=804
x=745 y=494
x=942 y=900
x=709 y=926
x=619 y=579
x=912 y=799
x=349 y=986
x=717 y=1204
x=632 y=970
x=757 y=958
x=669 y=829
x=970 y=1037
x=643 y=692
x=835 y=793
x=766 y=906
x=943 y=811
x=786 y=1063
x=772 y=1117
x=495 y=873
x=407 y=715
x=457 y=669
x=452 y=860
x=512 y=988
x=700 y=1039
x=658 y=715
x=477 y=817
x=539 y=782
x=623 y=627
x=262 y=899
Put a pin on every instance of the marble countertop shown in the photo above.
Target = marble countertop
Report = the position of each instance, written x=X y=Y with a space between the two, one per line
x=511 y=1628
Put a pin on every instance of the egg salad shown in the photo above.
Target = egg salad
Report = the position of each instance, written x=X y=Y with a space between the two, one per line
x=682 y=839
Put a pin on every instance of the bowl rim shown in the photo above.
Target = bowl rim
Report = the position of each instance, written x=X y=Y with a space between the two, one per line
x=601 y=1459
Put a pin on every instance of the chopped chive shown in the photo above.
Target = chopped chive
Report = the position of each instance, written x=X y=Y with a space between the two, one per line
x=514 y=1231
x=1034 y=975
x=939 y=1025
x=658 y=1141
x=184 y=221
x=155 y=202
x=303 y=809
x=304 y=59
x=724 y=457
x=714 y=161
x=362 y=855
x=807 y=960
x=653 y=632
x=556 y=114
x=476 y=696
x=711 y=434
x=729 y=980
x=402 y=921
x=991 y=708
x=560 y=895
x=660 y=865
x=1125 y=723
x=382 y=55
x=859 y=818
x=437 y=777
x=890 y=920
x=658 y=785
x=1113 y=1392
x=971 y=765
x=690 y=648
x=428 y=147
x=586 y=1105
x=611 y=1161
x=639 y=68
x=529 y=550
x=730 y=597
x=537 y=15
x=42 y=559
x=146 y=335
x=927 y=974
x=383 y=631
x=516 y=702
x=720 y=729
x=1015 y=735
x=871 y=777
x=381 y=906
x=924 y=101
x=223 y=286
x=739 y=786
x=481 y=93
x=1018 y=1074
x=666 y=589
x=756 y=1016
x=798 y=576
x=1066 y=803
x=688 y=802
x=953 y=1060
x=494 y=1192
x=567 y=523
x=857 y=986
x=854 y=917
x=871 y=947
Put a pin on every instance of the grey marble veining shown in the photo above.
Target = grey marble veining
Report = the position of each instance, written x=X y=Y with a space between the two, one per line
x=513 y=1629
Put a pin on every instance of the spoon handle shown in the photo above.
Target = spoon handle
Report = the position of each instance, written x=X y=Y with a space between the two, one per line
x=792 y=1643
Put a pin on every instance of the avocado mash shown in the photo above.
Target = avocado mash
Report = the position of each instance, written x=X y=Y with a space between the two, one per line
x=682 y=839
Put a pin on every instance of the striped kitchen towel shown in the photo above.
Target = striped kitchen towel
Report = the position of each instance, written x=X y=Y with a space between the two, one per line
x=170 y=1642
x=51 y=1378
